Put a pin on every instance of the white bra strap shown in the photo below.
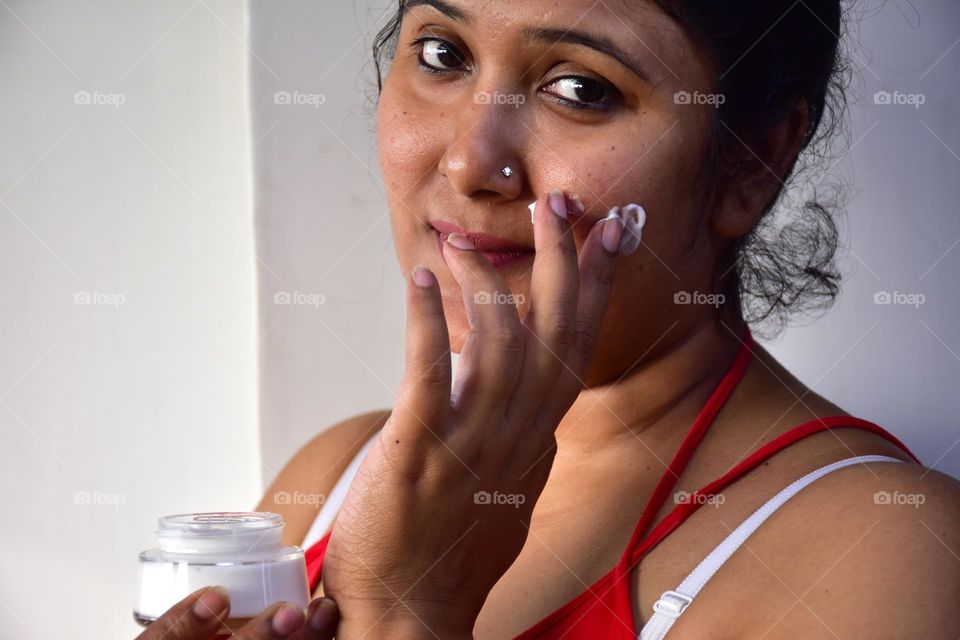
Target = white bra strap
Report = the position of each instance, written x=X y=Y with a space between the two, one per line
x=331 y=505
x=672 y=603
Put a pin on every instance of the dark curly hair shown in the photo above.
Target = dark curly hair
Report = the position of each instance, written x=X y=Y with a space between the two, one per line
x=766 y=56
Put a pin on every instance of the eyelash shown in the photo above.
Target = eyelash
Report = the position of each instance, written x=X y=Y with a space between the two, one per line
x=417 y=47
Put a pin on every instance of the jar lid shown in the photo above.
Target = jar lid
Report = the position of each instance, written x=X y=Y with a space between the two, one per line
x=216 y=531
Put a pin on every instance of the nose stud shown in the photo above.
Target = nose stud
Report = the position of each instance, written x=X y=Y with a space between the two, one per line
x=507 y=172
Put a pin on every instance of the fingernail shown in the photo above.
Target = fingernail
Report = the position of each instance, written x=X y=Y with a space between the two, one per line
x=423 y=277
x=532 y=206
x=612 y=232
x=323 y=616
x=213 y=603
x=459 y=241
x=558 y=203
x=287 y=619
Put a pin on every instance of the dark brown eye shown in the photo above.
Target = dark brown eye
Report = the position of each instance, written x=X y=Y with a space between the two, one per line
x=584 y=93
x=439 y=55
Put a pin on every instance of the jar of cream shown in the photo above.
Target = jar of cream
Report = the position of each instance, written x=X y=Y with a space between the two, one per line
x=240 y=551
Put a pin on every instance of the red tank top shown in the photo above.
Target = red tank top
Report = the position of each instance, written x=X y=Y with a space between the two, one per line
x=605 y=609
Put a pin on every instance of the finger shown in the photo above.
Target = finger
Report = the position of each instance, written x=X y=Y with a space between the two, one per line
x=492 y=353
x=279 y=620
x=323 y=616
x=423 y=397
x=552 y=312
x=196 y=617
x=597 y=264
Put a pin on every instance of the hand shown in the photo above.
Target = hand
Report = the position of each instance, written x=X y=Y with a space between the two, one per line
x=440 y=507
x=200 y=615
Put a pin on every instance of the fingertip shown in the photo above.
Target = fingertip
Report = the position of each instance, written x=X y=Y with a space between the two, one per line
x=287 y=619
x=460 y=242
x=323 y=615
x=612 y=235
x=423 y=277
x=558 y=204
x=213 y=603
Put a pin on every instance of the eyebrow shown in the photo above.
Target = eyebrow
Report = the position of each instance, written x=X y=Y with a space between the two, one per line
x=551 y=35
x=592 y=41
x=445 y=8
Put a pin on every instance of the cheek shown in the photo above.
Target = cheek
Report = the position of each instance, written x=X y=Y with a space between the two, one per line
x=658 y=173
x=404 y=142
x=407 y=145
x=655 y=171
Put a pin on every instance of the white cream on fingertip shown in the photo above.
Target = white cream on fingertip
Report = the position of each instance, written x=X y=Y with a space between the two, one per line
x=633 y=218
x=574 y=206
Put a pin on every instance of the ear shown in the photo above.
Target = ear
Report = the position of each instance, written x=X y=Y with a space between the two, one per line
x=741 y=203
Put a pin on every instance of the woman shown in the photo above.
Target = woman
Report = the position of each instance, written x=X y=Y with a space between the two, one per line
x=612 y=423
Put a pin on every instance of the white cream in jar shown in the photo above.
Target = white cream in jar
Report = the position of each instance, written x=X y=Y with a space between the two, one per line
x=241 y=551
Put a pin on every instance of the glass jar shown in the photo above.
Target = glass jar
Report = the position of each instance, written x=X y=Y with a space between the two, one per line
x=240 y=551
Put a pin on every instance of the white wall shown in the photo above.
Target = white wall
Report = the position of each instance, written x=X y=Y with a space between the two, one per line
x=149 y=405
x=322 y=228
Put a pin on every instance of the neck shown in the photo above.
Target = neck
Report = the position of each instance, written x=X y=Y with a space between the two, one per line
x=660 y=394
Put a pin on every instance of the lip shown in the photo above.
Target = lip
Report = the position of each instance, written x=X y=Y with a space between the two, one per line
x=497 y=251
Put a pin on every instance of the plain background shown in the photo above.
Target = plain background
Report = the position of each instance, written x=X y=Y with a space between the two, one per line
x=261 y=302
x=119 y=411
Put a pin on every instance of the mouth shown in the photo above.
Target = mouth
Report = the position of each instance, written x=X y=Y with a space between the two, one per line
x=497 y=251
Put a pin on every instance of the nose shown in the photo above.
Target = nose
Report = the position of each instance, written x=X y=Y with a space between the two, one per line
x=482 y=160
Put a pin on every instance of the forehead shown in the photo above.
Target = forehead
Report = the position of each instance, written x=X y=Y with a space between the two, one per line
x=639 y=27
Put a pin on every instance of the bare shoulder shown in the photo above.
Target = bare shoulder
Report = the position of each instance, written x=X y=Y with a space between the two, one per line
x=868 y=551
x=314 y=469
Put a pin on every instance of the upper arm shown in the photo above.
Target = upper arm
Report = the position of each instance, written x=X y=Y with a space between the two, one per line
x=888 y=566
x=299 y=490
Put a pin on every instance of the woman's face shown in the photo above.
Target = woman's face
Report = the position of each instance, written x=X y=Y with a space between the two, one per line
x=579 y=96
